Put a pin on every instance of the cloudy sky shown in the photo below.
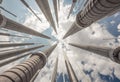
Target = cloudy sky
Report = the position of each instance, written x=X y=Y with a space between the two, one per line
x=89 y=67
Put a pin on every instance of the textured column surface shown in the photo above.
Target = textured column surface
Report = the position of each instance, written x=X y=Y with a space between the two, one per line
x=94 y=10
x=25 y=71
x=112 y=53
x=45 y=8
x=12 y=25
x=29 y=69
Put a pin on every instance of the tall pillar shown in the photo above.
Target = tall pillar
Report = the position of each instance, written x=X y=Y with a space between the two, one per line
x=25 y=72
x=12 y=25
x=72 y=7
x=55 y=71
x=58 y=4
x=71 y=73
x=14 y=44
x=94 y=11
x=7 y=34
x=55 y=3
x=9 y=54
x=9 y=60
x=25 y=3
x=45 y=8
x=111 y=53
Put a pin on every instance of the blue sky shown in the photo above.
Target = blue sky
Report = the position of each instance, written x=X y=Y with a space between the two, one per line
x=89 y=67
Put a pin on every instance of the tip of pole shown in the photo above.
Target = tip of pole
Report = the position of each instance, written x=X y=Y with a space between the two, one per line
x=64 y=37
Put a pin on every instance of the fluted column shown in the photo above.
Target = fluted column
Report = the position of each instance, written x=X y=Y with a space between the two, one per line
x=94 y=10
x=25 y=72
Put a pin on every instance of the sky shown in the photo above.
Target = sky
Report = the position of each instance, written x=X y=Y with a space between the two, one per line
x=89 y=67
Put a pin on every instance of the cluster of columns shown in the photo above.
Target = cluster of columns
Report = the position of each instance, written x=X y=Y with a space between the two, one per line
x=28 y=70
x=45 y=8
x=94 y=10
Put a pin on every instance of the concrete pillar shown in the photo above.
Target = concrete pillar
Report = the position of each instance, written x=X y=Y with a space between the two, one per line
x=112 y=53
x=15 y=44
x=55 y=71
x=94 y=11
x=7 y=34
x=12 y=25
x=55 y=3
x=71 y=73
x=58 y=4
x=2 y=63
x=45 y=8
x=25 y=3
x=72 y=7
x=9 y=54
x=25 y=72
